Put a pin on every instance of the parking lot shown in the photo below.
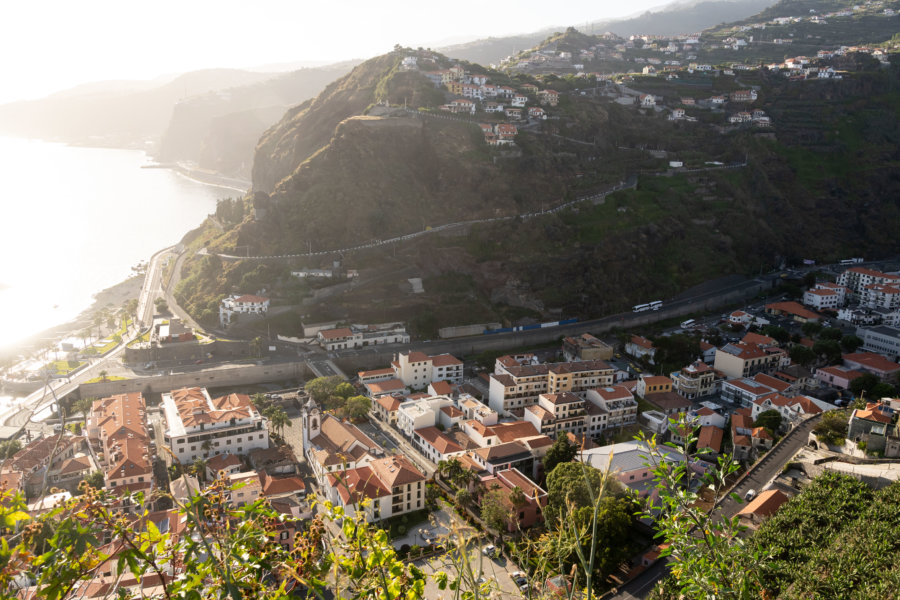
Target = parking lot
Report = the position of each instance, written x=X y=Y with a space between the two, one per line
x=494 y=571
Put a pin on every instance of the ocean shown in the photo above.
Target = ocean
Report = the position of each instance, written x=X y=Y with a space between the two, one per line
x=76 y=220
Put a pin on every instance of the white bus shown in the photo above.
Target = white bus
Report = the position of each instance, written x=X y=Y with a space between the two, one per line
x=688 y=323
x=640 y=307
x=656 y=305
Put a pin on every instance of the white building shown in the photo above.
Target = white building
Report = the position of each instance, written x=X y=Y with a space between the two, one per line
x=198 y=426
x=359 y=337
x=393 y=484
x=417 y=369
x=418 y=414
x=246 y=304
x=520 y=386
x=331 y=445
x=619 y=404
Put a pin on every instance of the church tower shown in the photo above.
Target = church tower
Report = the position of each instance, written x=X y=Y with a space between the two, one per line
x=312 y=422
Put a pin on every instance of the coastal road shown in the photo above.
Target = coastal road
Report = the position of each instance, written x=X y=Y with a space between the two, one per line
x=151 y=288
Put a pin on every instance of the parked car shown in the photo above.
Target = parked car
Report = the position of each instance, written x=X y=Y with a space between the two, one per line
x=489 y=551
x=750 y=495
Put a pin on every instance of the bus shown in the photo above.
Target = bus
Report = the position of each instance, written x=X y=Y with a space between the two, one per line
x=688 y=323
x=640 y=307
x=656 y=305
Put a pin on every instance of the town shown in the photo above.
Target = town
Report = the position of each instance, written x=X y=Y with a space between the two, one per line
x=429 y=443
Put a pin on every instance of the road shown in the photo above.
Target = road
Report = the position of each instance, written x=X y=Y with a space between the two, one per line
x=755 y=479
x=37 y=405
x=771 y=464
x=151 y=287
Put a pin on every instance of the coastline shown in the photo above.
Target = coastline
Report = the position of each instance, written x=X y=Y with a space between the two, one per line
x=115 y=295
x=210 y=178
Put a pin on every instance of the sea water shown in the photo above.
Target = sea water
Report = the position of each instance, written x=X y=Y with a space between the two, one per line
x=74 y=222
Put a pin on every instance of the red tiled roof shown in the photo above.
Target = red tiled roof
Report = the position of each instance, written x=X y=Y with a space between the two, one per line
x=251 y=298
x=765 y=504
x=872 y=361
x=711 y=437
x=793 y=308
x=331 y=334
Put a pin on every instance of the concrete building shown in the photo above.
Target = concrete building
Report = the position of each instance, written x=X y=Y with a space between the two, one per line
x=694 y=381
x=393 y=484
x=617 y=403
x=119 y=424
x=358 y=337
x=741 y=359
x=585 y=347
x=426 y=412
x=652 y=384
x=246 y=304
x=555 y=413
x=520 y=386
x=882 y=340
x=331 y=445
x=417 y=369
x=640 y=347
x=873 y=363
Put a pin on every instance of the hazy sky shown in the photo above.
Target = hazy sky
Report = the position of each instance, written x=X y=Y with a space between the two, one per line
x=49 y=45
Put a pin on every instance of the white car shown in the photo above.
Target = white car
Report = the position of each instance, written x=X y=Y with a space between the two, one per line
x=490 y=551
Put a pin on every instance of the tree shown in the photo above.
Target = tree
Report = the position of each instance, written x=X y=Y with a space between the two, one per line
x=864 y=384
x=8 y=448
x=103 y=374
x=770 y=419
x=358 y=407
x=278 y=419
x=162 y=307
x=829 y=349
x=199 y=469
x=832 y=429
x=883 y=390
x=562 y=451
x=321 y=389
x=496 y=510
x=831 y=333
x=569 y=488
x=811 y=328
x=779 y=334
x=463 y=498
x=82 y=406
x=344 y=390
x=850 y=343
x=802 y=355
x=256 y=346
x=703 y=542
x=96 y=480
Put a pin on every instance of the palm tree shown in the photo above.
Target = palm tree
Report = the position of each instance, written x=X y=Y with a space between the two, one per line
x=199 y=468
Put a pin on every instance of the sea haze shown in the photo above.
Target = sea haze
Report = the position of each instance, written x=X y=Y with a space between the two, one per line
x=76 y=220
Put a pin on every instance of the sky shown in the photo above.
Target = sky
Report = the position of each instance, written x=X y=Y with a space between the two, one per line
x=51 y=45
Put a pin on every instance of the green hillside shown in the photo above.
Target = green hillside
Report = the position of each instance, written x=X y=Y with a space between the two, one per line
x=372 y=158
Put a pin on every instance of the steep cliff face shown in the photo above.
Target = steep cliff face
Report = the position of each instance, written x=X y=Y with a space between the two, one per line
x=220 y=129
x=379 y=177
x=308 y=127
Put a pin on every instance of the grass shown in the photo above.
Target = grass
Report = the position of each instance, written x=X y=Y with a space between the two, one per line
x=64 y=367
x=107 y=378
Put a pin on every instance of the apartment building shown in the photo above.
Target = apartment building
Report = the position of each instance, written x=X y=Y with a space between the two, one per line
x=742 y=359
x=857 y=278
x=520 y=386
x=618 y=404
x=199 y=426
x=418 y=370
x=119 y=423
x=554 y=413
x=393 y=484
x=695 y=380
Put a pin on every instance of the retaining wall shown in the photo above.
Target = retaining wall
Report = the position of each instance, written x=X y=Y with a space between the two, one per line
x=243 y=375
